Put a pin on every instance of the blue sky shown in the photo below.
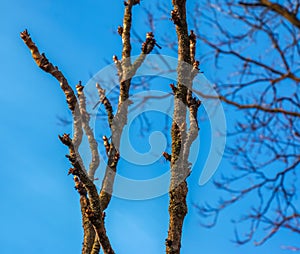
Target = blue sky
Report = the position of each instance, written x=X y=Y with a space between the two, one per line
x=40 y=208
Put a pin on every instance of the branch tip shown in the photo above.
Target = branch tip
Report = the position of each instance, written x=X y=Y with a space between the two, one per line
x=65 y=139
x=149 y=43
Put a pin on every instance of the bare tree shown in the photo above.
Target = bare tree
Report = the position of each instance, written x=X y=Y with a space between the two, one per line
x=93 y=203
x=257 y=42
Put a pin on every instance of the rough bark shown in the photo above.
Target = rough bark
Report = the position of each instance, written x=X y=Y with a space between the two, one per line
x=94 y=164
x=93 y=203
x=93 y=212
x=179 y=171
x=48 y=67
x=126 y=71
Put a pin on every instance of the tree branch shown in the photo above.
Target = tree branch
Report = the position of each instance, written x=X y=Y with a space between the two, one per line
x=94 y=164
x=277 y=8
x=88 y=229
x=105 y=101
x=48 y=67
x=94 y=211
x=120 y=118
x=249 y=106
x=179 y=167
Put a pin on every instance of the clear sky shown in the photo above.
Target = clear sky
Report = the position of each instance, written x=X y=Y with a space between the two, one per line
x=39 y=206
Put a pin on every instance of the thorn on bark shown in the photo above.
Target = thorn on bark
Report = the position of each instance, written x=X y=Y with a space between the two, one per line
x=72 y=159
x=115 y=58
x=73 y=171
x=106 y=144
x=79 y=88
x=24 y=34
x=196 y=65
x=117 y=156
x=118 y=65
x=132 y=2
x=167 y=156
x=175 y=17
x=169 y=242
x=174 y=88
x=103 y=216
x=79 y=186
x=192 y=36
x=194 y=102
x=65 y=139
x=149 y=43
x=115 y=159
x=89 y=213
x=196 y=69
x=120 y=30
x=44 y=63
